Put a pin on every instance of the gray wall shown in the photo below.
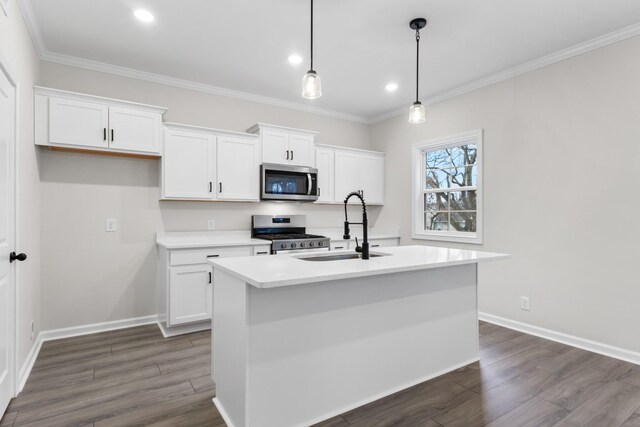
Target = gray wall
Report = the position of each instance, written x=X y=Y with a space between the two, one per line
x=560 y=151
x=90 y=276
x=16 y=48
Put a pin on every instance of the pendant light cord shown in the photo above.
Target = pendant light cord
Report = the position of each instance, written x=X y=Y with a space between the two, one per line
x=311 y=34
x=417 y=60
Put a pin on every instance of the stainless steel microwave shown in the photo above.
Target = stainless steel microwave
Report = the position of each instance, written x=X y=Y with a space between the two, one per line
x=288 y=183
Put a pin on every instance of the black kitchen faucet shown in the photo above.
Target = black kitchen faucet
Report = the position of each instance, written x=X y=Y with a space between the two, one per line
x=364 y=249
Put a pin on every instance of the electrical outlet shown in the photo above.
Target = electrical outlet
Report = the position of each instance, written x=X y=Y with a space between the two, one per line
x=110 y=225
x=211 y=224
x=524 y=303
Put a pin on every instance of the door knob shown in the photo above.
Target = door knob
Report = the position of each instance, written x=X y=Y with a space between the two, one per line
x=19 y=257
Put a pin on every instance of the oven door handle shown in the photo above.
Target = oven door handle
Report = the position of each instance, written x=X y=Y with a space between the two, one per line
x=308 y=184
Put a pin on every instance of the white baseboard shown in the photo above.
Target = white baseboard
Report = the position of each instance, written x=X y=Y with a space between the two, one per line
x=183 y=329
x=74 y=331
x=23 y=375
x=583 y=343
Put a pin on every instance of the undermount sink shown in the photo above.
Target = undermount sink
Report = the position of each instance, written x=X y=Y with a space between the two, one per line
x=338 y=257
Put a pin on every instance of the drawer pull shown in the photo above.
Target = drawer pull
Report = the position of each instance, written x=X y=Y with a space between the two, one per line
x=375 y=246
x=262 y=253
x=338 y=247
x=213 y=256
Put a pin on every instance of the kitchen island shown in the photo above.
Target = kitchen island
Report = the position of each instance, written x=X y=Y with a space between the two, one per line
x=298 y=339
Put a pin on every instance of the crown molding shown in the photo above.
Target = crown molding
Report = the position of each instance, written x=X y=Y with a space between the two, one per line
x=578 y=49
x=561 y=55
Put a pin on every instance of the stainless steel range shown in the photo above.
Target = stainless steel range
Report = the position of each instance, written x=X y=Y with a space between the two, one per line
x=287 y=233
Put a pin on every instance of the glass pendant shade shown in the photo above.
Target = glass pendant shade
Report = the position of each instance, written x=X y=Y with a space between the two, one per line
x=417 y=113
x=311 y=88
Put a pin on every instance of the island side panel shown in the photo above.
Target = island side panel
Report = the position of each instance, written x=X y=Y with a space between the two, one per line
x=319 y=349
x=229 y=346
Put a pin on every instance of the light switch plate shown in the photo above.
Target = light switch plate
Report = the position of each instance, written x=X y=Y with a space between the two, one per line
x=211 y=224
x=110 y=225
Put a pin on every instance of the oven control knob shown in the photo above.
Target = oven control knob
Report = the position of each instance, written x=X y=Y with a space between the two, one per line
x=311 y=244
x=302 y=244
x=320 y=243
x=293 y=245
x=283 y=245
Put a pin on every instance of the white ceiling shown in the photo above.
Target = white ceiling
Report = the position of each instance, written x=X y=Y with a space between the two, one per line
x=360 y=45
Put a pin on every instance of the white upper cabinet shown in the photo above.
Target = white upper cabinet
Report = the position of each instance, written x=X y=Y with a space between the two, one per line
x=326 y=174
x=188 y=165
x=286 y=146
x=347 y=170
x=69 y=120
x=209 y=164
x=79 y=123
x=275 y=147
x=346 y=176
x=302 y=150
x=371 y=178
x=238 y=168
x=134 y=130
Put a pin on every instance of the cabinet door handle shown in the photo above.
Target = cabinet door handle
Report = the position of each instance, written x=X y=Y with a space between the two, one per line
x=104 y=134
x=291 y=154
x=318 y=191
x=111 y=135
x=220 y=188
x=287 y=154
x=209 y=277
x=213 y=256
x=210 y=187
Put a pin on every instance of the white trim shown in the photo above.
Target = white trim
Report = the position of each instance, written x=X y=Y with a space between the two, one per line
x=75 y=331
x=183 y=329
x=93 y=328
x=28 y=363
x=417 y=186
x=223 y=413
x=561 y=55
x=572 y=340
x=195 y=86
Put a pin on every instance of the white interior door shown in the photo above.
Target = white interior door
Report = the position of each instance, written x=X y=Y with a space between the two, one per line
x=7 y=301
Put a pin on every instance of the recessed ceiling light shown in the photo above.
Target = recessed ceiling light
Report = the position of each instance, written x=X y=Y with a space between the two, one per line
x=144 y=15
x=391 y=87
x=295 y=59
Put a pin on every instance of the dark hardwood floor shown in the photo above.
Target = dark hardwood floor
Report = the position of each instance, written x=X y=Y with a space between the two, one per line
x=136 y=377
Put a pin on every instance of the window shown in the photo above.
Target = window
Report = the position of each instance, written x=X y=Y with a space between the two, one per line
x=447 y=188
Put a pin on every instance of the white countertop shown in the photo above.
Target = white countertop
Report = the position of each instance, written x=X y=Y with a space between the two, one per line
x=276 y=271
x=207 y=239
x=211 y=239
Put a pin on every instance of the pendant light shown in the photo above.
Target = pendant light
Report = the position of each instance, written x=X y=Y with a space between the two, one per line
x=311 y=81
x=417 y=112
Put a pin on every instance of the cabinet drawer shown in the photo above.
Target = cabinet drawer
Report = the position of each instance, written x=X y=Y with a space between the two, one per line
x=381 y=243
x=200 y=256
x=340 y=245
x=262 y=250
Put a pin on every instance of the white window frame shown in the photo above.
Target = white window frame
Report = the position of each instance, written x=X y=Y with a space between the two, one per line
x=418 y=151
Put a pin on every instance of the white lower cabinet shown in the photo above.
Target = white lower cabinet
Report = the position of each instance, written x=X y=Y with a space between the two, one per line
x=185 y=285
x=189 y=294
